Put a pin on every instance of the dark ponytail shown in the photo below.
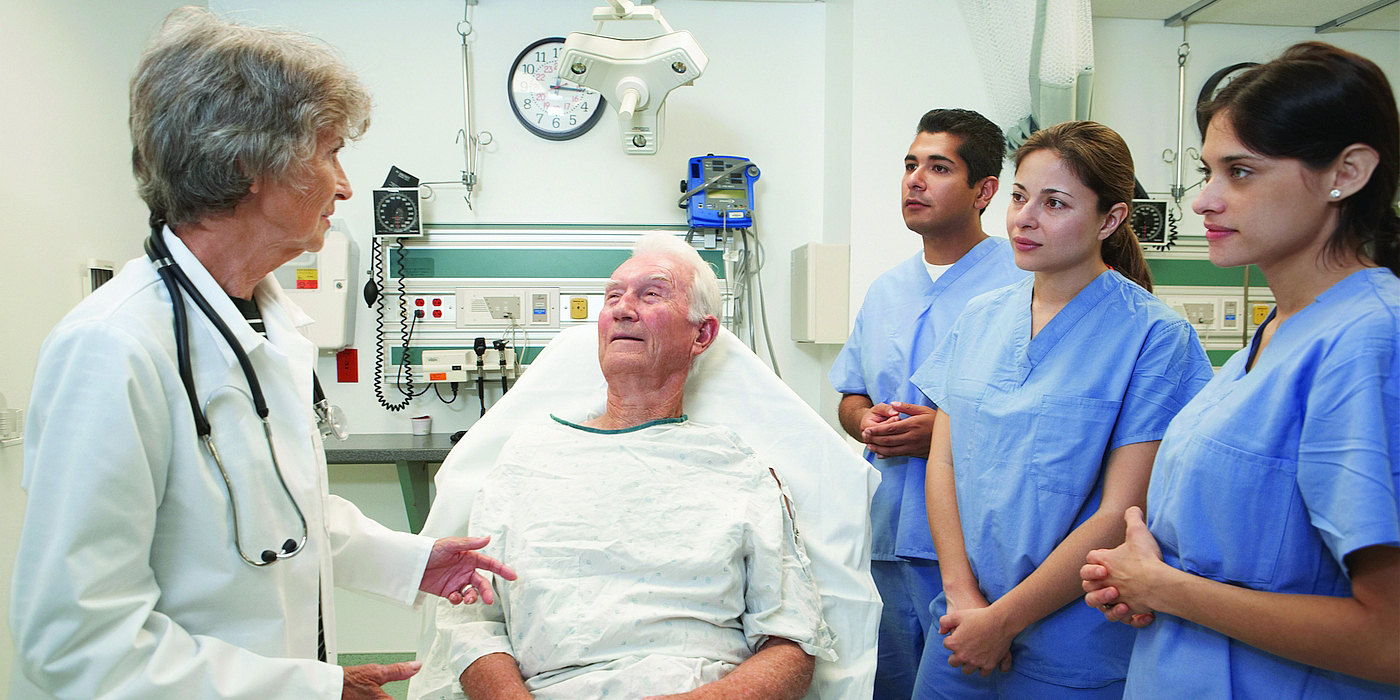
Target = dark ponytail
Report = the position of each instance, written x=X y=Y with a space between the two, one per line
x=1099 y=157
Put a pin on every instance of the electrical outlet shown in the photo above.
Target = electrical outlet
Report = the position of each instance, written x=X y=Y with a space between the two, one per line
x=433 y=307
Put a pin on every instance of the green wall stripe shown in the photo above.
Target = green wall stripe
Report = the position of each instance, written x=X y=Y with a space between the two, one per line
x=415 y=354
x=524 y=263
x=1201 y=273
x=1218 y=357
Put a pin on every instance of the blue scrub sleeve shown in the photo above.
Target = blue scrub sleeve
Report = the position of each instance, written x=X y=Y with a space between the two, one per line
x=846 y=376
x=932 y=375
x=1347 y=472
x=1171 y=368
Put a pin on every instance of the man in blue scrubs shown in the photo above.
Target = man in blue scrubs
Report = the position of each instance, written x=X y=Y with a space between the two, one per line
x=950 y=174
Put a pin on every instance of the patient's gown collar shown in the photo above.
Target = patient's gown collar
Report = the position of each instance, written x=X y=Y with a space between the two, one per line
x=600 y=431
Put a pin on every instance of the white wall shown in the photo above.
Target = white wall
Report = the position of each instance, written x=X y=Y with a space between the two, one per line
x=63 y=141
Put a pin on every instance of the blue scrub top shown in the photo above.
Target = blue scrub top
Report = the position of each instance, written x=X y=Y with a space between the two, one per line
x=1033 y=421
x=904 y=316
x=1269 y=479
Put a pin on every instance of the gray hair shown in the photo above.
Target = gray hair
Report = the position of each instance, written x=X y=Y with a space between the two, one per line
x=703 y=289
x=216 y=105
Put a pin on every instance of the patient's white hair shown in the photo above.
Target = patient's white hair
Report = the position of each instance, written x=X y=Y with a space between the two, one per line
x=703 y=289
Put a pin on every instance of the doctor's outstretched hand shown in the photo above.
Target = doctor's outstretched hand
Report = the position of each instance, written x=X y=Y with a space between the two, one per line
x=886 y=434
x=366 y=682
x=1120 y=581
x=455 y=571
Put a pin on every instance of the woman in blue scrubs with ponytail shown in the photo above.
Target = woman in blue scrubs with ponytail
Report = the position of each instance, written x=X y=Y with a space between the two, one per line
x=1053 y=394
x=1269 y=563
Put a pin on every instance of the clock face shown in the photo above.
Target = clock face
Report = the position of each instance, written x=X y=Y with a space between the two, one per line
x=549 y=107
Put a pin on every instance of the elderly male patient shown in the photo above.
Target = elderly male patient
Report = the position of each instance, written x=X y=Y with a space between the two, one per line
x=656 y=556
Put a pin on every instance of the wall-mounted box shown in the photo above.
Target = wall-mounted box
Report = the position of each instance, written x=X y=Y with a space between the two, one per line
x=821 y=293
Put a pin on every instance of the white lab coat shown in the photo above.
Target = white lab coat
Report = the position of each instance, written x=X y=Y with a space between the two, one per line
x=127 y=584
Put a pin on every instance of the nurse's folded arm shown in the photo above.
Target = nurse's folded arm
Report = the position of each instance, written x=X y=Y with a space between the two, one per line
x=982 y=637
x=1355 y=635
x=959 y=583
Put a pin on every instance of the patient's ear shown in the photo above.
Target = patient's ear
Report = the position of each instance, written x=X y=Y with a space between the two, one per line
x=705 y=334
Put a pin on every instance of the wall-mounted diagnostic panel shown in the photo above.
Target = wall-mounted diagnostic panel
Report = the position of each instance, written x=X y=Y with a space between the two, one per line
x=504 y=307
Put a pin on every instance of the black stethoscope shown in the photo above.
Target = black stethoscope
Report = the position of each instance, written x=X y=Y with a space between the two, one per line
x=175 y=279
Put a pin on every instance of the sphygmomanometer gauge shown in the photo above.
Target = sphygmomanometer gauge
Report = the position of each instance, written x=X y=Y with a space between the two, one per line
x=396 y=212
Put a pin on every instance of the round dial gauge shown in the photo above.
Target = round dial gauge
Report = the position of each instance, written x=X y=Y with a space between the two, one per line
x=550 y=108
x=1147 y=223
x=397 y=212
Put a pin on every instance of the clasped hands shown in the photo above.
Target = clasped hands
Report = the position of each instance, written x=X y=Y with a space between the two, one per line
x=886 y=434
x=1120 y=581
x=979 y=637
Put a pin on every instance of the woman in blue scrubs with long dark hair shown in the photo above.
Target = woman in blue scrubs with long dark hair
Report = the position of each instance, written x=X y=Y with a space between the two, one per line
x=1273 y=498
x=1052 y=395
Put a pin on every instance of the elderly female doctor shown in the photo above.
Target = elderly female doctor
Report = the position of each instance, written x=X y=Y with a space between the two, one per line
x=152 y=562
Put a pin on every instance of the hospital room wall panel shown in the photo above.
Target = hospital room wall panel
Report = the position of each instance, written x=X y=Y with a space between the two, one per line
x=761 y=98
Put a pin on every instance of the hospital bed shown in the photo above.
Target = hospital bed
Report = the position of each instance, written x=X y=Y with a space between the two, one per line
x=830 y=485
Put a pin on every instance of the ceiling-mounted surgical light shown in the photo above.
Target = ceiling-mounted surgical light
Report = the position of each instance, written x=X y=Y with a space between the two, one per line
x=635 y=75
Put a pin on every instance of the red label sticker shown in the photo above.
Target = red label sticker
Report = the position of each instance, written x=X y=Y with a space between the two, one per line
x=437 y=376
x=306 y=284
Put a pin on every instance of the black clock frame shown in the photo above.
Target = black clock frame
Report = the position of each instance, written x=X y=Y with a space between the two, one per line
x=574 y=133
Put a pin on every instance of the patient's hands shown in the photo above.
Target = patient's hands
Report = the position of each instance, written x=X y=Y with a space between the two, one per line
x=454 y=570
x=886 y=434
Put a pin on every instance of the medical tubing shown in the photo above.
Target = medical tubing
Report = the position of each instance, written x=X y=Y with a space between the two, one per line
x=289 y=548
x=763 y=309
x=182 y=341
x=259 y=402
x=378 y=264
x=171 y=274
x=399 y=375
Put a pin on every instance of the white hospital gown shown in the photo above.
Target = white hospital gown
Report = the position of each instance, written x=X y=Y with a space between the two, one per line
x=651 y=561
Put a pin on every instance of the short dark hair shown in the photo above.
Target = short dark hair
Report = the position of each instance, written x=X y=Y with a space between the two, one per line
x=1309 y=104
x=983 y=145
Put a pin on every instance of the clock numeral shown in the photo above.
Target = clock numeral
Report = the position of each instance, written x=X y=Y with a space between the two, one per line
x=527 y=103
x=583 y=106
x=556 y=122
x=539 y=56
x=573 y=120
x=529 y=69
x=539 y=118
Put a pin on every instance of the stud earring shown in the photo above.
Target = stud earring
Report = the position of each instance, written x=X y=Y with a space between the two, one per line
x=1335 y=193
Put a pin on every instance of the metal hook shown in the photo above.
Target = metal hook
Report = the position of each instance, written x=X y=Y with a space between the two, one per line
x=468 y=32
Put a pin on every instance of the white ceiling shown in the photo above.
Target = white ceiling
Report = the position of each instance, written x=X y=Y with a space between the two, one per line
x=1285 y=13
